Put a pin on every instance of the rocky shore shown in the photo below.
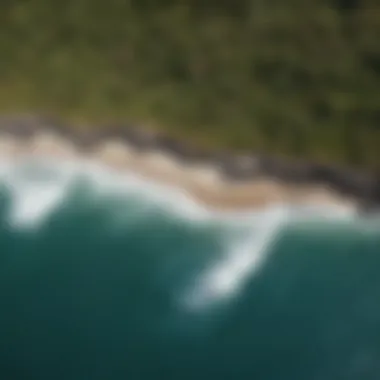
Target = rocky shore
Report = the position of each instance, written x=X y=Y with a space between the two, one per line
x=219 y=179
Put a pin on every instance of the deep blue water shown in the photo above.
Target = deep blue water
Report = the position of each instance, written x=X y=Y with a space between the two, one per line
x=117 y=279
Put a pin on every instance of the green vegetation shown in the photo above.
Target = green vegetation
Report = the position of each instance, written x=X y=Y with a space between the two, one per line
x=292 y=77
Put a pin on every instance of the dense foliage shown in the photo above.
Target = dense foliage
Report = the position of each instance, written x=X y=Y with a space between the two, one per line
x=290 y=77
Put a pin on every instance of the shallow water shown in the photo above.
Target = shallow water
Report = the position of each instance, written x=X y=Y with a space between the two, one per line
x=109 y=277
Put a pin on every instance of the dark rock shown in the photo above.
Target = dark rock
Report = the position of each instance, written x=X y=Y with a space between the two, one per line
x=321 y=173
x=356 y=184
x=285 y=170
x=180 y=150
x=372 y=203
x=376 y=190
x=139 y=138
x=85 y=141
x=239 y=168
x=25 y=126
x=300 y=173
x=22 y=127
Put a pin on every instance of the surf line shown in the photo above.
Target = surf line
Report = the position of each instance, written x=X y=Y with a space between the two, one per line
x=225 y=279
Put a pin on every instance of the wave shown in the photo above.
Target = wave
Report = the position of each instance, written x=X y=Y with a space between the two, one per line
x=40 y=186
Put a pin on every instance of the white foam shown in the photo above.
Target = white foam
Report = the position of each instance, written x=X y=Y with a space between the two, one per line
x=35 y=197
x=168 y=198
x=244 y=257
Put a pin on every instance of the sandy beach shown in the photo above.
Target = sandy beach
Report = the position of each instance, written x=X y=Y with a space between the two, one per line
x=202 y=181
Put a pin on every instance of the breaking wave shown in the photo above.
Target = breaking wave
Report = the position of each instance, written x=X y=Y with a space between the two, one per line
x=183 y=261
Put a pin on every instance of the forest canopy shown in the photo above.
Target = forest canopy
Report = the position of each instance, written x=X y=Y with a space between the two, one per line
x=289 y=77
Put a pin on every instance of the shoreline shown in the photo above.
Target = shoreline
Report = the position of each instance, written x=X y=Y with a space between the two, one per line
x=220 y=181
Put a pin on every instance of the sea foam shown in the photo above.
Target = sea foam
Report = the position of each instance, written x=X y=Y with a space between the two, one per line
x=39 y=186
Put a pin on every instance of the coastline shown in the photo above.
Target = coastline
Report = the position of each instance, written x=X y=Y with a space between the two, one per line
x=220 y=181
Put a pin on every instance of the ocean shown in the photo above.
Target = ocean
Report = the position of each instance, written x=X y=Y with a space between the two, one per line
x=106 y=276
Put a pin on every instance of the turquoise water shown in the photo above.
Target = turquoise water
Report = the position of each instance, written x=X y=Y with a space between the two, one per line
x=108 y=277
